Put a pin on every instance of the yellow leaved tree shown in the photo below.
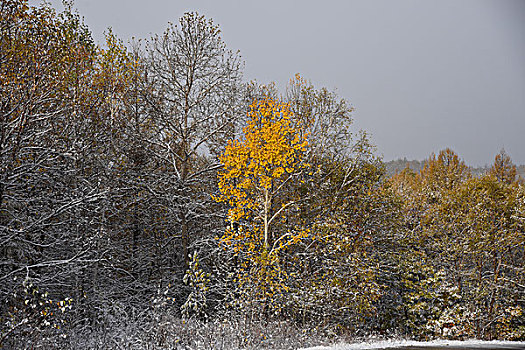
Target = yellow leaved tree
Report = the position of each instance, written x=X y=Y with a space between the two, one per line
x=256 y=183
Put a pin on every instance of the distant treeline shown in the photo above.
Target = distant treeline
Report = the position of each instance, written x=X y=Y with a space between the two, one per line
x=396 y=166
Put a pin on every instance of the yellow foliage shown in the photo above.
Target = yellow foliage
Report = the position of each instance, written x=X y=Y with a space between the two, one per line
x=269 y=154
x=252 y=182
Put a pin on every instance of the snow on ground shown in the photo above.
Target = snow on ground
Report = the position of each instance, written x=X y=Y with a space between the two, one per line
x=388 y=344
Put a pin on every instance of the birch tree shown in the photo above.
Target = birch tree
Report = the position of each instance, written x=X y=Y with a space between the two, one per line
x=258 y=170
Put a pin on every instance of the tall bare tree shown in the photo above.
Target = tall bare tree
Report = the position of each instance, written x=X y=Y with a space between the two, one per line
x=193 y=92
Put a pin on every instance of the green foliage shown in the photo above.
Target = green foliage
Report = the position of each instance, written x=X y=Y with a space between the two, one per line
x=197 y=280
x=468 y=230
x=31 y=311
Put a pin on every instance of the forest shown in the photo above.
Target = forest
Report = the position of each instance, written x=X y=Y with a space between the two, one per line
x=150 y=198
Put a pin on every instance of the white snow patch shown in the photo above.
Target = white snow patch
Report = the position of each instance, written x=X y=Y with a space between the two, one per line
x=387 y=344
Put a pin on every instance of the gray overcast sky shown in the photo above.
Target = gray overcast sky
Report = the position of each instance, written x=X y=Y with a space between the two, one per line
x=423 y=75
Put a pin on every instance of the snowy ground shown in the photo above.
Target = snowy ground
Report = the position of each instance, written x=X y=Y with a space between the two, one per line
x=434 y=345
